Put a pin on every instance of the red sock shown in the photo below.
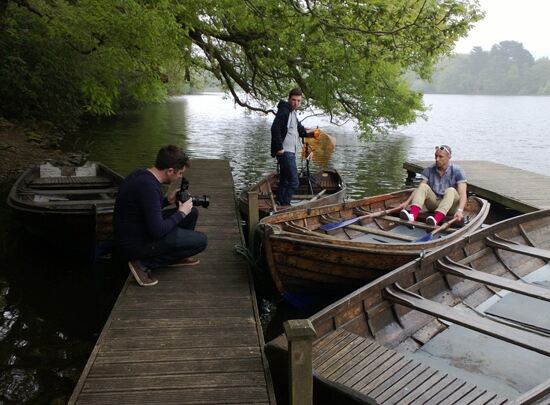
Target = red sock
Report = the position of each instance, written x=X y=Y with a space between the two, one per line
x=415 y=209
x=438 y=217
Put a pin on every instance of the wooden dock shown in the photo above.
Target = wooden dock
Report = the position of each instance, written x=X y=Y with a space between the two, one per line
x=193 y=338
x=514 y=188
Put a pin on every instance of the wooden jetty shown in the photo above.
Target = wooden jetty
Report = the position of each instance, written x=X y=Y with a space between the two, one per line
x=193 y=338
x=521 y=190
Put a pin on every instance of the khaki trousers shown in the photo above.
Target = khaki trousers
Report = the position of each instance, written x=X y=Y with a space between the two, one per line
x=424 y=197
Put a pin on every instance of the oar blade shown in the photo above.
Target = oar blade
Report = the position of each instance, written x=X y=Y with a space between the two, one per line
x=426 y=238
x=335 y=225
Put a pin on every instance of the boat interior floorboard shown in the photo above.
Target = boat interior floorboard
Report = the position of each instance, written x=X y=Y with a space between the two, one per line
x=390 y=377
x=496 y=365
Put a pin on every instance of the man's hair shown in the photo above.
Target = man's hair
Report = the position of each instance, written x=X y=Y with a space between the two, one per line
x=171 y=157
x=447 y=148
x=296 y=91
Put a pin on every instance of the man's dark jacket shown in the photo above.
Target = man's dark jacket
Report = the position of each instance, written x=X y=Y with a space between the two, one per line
x=279 y=128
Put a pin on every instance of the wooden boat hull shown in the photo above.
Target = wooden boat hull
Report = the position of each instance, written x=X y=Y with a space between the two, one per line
x=67 y=211
x=314 y=264
x=463 y=324
x=329 y=180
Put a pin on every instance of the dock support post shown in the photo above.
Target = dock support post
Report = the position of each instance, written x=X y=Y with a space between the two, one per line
x=300 y=334
x=253 y=216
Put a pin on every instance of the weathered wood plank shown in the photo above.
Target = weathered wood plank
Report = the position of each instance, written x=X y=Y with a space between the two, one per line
x=167 y=382
x=179 y=354
x=229 y=395
x=177 y=367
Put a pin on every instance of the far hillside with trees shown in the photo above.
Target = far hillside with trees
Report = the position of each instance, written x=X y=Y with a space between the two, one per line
x=507 y=69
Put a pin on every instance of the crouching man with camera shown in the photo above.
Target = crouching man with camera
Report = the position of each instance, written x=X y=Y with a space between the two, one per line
x=147 y=236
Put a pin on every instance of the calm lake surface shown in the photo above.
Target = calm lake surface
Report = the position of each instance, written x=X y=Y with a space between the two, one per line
x=51 y=312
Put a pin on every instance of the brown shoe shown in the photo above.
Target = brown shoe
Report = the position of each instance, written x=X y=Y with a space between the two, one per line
x=188 y=261
x=142 y=274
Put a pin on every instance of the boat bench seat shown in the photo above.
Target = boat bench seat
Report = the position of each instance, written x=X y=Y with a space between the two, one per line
x=389 y=377
x=70 y=182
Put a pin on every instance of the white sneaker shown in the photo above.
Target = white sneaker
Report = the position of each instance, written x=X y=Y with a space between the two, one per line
x=431 y=221
x=406 y=215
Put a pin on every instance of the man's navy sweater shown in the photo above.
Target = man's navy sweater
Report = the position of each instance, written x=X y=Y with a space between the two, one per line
x=138 y=217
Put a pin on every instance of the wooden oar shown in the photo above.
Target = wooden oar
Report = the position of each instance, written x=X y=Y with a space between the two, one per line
x=341 y=224
x=429 y=236
x=271 y=196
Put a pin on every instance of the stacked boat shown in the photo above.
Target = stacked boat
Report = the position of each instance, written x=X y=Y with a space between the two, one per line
x=464 y=324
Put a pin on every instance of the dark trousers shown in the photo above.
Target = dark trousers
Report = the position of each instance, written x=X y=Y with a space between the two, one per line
x=182 y=242
x=288 y=178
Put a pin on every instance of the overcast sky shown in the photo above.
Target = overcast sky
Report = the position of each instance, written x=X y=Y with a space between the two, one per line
x=525 y=21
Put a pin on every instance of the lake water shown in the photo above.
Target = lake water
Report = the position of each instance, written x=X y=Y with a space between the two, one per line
x=51 y=312
x=509 y=130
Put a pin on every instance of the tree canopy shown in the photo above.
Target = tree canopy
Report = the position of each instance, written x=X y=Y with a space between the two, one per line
x=507 y=68
x=65 y=58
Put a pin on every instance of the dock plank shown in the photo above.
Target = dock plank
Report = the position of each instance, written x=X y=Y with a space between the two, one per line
x=193 y=338
x=514 y=188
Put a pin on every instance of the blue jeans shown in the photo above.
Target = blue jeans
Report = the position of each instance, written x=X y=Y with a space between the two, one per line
x=288 y=178
x=180 y=243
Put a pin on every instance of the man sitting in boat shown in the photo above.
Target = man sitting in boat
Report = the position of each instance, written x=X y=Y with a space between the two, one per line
x=148 y=236
x=285 y=133
x=442 y=189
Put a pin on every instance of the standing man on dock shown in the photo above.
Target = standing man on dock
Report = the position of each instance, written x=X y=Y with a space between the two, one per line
x=145 y=234
x=442 y=189
x=285 y=133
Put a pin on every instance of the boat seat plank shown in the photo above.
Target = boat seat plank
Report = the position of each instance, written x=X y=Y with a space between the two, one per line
x=341 y=344
x=486 y=326
x=327 y=360
x=441 y=396
x=388 y=376
x=484 y=399
x=411 y=380
x=83 y=191
x=522 y=249
x=378 y=378
x=417 y=387
x=326 y=340
x=347 y=375
x=378 y=358
x=347 y=360
x=519 y=287
x=346 y=372
x=444 y=384
x=71 y=181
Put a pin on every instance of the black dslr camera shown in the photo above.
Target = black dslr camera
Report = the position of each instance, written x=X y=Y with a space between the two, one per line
x=183 y=195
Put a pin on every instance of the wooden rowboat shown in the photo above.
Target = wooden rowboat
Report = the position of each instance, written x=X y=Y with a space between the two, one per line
x=323 y=187
x=465 y=324
x=304 y=259
x=69 y=206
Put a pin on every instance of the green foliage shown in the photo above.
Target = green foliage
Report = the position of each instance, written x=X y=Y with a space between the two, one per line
x=348 y=56
x=507 y=68
x=69 y=58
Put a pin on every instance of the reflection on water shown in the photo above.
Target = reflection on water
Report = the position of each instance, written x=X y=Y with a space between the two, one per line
x=52 y=310
x=209 y=126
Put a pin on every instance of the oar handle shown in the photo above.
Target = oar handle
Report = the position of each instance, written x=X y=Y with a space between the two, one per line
x=444 y=226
